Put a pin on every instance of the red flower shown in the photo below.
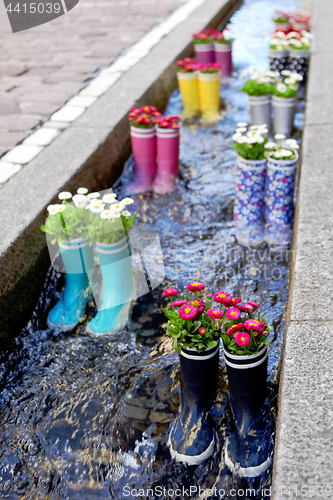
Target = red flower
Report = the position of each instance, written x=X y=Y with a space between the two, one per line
x=215 y=313
x=199 y=304
x=202 y=330
x=188 y=312
x=235 y=328
x=242 y=338
x=169 y=292
x=179 y=303
x=221 y=297
x=233 y=313
x=252 y=324
x=253 y=304
x=195 y=286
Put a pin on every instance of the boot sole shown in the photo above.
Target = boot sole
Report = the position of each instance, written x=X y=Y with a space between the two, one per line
x=66 y=328
x=247 y=471
x=192 y=459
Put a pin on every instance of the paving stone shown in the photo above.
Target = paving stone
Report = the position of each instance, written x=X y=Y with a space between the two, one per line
x=22 y=154
x=68 y=113
x=7 y=170
x=42 y=137
x=42 y=108
x=10 y=139
x=55 y=124
x=18 y=122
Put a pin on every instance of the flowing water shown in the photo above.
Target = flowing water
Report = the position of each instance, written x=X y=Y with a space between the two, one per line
x=86 y=418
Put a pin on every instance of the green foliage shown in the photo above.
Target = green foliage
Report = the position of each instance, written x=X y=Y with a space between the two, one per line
x=302 y=47
x=69 y=224
x=252 y=87
x=290 y=92
x=109 y=231
x=225 y=41
x=281 y=20
x=251 y=151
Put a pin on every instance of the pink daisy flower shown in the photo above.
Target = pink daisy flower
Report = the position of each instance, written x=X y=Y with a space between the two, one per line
x=265 y=334
x=233 y=313
x=221 y=297
x=202 y=330
x=209 y=295
x=253 y=304
x=262 y=327
x=252 y=324
x=242 y=338
x=247 y=307
x=179 y=303
x=169 y=292
x=235 y=301
x=188 y=312
x=215 y=313
x=195 y=286
x=199 y=304
x=235 y=328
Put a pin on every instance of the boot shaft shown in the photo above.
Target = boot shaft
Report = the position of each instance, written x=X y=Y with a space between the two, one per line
x=77 y=256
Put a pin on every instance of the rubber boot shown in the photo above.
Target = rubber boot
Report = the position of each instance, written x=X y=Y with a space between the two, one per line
x=191 y=438
x=204 y=52
x=249 y=201
x=77 y=257
x=167 y=160
x=249 y=452
x=116 y=269
x=144 y=153
x=223 y=56
x=279 y=200
x=189 y=89
x=209 y=95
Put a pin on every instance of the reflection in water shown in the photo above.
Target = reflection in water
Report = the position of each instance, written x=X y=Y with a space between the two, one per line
x=83 y=418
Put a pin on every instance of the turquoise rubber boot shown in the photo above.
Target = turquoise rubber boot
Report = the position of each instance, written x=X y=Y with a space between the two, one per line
x=116 y=269
x=78 y=260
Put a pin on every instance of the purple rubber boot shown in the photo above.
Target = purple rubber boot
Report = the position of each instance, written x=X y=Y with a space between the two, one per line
x=144 y=152
x=167 y=160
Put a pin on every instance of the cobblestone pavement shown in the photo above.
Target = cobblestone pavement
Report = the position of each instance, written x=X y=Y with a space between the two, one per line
x=41 y=68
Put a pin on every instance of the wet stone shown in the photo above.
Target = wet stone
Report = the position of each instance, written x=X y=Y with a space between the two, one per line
x=134 y=412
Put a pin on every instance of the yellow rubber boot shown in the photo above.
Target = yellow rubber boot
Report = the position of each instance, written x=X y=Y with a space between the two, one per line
x=209 y=95
x=189 y=89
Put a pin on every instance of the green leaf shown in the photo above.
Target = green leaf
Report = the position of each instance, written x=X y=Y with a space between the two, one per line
x=212 y=343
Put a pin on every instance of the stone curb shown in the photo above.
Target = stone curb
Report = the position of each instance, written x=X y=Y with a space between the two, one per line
x=303 y=454
x=91 y=152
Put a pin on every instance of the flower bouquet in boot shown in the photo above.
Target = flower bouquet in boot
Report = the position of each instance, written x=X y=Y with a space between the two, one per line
x=282 y=22
x=143 y=139
x=299 y=22
x=187 y=75
x=67 y=224
x=259 y=88
x=245 y=339
x=204 y=46
x=299 y=53
x=284 y=102
x=223 y=51
x=109 y=229
x=249 y=144
x=209 y=77
x=278 y=52
x=194 y=329
x=167 y=136
x=279 y=194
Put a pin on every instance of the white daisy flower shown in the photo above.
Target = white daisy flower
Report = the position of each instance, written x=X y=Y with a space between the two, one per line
x=117 y=207
x=92 y=196
x=252 y=133
x=280 y=34
x=242 y=140
x=284 y=43
x=281 y=87
x=96 y=208
x=240 y=130
x=296 y=43
x=270 y=145
x=126 y=213
x=276 y=154
x=115 y=215
x=272 y=74
x=82 y=191
x=260 y=140
x=80 y=201
x=254 y=127
x=275 y=41
x=292 y=144
x=286 y=152
x=293 y=34
x=106 y=214
x=285 y=72
x=293 y=87
x=53 y=209
x=263 y=130
x=127 y=201
x=306 y=41
x=61 y=208
x=279 y=137
x=241 y=124
x=236 y=136
x=109 y=197
x=307 y=34
x=64 y=195
x=265 y=79
x=255 y=139
x=279 y=47
x=296 y=76
x=289 y=81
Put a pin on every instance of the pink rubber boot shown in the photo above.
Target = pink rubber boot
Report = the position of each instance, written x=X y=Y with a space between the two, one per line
x=167 y=160
x=144 y=152
x=223 y=56
x=204 y=52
